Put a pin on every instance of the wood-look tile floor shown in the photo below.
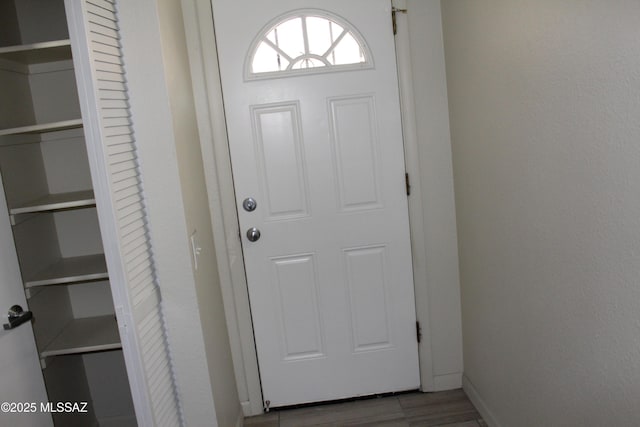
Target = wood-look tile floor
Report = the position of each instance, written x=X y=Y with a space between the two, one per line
x=442 y=409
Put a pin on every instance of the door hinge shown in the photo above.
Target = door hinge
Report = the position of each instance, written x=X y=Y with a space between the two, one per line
x=395 y=10
x=407 y=183
x=418 y=332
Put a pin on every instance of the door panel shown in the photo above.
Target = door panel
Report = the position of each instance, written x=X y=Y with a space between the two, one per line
x=330 y=279
x=356 y=154
x=279 y=146
x=297 y=293
x=21 y=377
x=368 y=297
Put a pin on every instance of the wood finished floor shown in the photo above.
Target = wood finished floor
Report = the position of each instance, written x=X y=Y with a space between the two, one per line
x=442 y=409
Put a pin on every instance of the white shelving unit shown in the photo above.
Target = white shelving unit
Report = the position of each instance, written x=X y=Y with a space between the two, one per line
x=70 y=270
x=85 y=335
x=42 y=128
x=56 y=202
x=51 y=202
x=37 y=53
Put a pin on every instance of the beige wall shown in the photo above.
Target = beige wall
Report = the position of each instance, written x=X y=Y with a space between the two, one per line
x=196 y=206
x=544 y=102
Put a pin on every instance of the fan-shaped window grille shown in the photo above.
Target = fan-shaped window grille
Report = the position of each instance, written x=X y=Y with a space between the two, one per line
x=307 y=41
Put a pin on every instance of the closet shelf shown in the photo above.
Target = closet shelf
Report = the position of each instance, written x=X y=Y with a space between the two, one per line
x=43 y=128
x=84 y=336
x=56 y=202
x=37 y=53
x=70 y=270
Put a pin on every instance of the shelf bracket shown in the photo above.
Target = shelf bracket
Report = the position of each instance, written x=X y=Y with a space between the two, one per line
x=16 y=219
x=44 y=362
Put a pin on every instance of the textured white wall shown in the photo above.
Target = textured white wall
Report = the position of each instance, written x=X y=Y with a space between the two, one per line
x=545 y=105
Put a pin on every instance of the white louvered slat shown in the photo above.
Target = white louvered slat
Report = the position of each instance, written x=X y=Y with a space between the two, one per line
x=128 y=209
x=142 y=260
x=114 y=121
x=119 y=133
x=103 y=22
x=108 y=94
x=131 y=195
x=105 y=48
x=118 y=148
x=140 y=283
x=131 y=222
x=122 y=185
x=142 y=267
x=139 y=297
x=134 y=237
x=119 y=144
x=109 y=67
x=134 y=262
x=112 y=114
x=112 y=94
x=108 y=5
x=111 y=85
x=133 y=251
x=140 y=288
x=115 y=104
x=100 y=11
x=100 y=40
x=106 y=58
x=124 y=175
x=104 y=31
x=110 y=103
x=157 y=383
x=126 y=192
x=129 y=199
x=130 y=230
x=120 y=139
x=126 y=202
x=119 y=192
x=128 y=156
x=121 y=166
x=109 y=76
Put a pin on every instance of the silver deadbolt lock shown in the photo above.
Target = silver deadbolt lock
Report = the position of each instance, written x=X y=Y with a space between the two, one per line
x=249 y=204
x=253 y=234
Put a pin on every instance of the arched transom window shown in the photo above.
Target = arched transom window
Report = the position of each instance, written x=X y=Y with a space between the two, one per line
x=307 y=41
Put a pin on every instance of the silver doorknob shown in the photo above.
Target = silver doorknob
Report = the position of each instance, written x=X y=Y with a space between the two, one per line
x=17 y=316
x=253 y=234
x=249 y=204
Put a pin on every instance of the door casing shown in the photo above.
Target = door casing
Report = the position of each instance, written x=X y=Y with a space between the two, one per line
x=215 y=151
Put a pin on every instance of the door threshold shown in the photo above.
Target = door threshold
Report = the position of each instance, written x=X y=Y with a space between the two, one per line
x=344 y=400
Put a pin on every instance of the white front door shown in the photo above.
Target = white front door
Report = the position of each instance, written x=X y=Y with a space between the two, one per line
x=21 y=383
x=312 y=106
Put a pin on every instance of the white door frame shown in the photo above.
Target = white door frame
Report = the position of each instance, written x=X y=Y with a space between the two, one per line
x=214 y=144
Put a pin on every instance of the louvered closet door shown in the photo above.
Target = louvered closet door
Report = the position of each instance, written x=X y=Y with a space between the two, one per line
x=119 y=195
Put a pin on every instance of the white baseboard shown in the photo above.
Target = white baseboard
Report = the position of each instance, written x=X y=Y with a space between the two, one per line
x=447 y=381
x=246 y=409
x=240 y=420
x=479 y=403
